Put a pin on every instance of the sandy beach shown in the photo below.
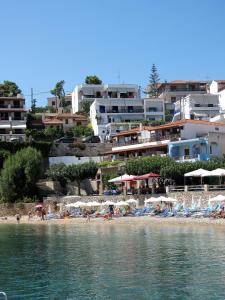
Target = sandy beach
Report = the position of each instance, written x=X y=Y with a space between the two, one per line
x=121 y=221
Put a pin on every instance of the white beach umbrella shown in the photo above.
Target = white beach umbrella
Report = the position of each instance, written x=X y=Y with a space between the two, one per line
x=206 y=174
x=171 y=200
x=218 y=172
x=69 y=205
x=196 y=173
x=121 y=203
x=122 y=178
x=107 y=203
x=151 y=200
x=218 y=198
x=132 y=201
x=93 y=204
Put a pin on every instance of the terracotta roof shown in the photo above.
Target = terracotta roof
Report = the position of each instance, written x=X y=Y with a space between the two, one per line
x=53 y=121
x=187 y=81
x=137 y=148
x=168 y=125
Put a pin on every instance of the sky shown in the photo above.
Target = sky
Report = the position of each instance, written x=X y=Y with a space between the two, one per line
x=44 y=41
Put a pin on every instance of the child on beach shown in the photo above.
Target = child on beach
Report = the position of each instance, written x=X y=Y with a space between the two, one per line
x=18 y=216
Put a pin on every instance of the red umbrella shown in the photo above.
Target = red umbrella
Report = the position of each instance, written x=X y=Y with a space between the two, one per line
x=146 y=176
x=39 y=206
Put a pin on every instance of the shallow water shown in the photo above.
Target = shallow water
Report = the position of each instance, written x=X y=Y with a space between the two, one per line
x=112 y=262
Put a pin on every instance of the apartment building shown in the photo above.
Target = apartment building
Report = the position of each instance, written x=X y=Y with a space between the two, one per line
x=154 y=109
x=176 y=90
x=197 y=106
x=55 y=102
x=185 y=140
x=12 y=118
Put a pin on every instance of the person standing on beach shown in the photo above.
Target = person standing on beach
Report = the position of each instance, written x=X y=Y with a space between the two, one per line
x=18 y=216
x=29 y=215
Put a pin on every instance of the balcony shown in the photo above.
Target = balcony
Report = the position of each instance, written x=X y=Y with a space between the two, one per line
x=149 y=140
x=154 y=113
x=125 y=110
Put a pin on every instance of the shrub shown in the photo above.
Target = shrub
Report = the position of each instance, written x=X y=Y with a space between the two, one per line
x=19 y=175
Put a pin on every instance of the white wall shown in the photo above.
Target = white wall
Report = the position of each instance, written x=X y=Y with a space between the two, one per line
x=191 y=130
x=71 y=160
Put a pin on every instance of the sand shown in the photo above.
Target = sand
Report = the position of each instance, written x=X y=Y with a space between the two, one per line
x=121 y=221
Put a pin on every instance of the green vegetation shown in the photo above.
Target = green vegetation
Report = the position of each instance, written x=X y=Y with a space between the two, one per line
x=93 y=79
x=85 y=108
x=59 y=92
x=82 y=130
x=176 y=170
x=153 y=123
x=153 y=82
x=78 y=173
x=168 y=168
x=110 y=163
x=9 y=89
x=147 y=164
x=106 y=183
x=42 y=146
x=19 y=175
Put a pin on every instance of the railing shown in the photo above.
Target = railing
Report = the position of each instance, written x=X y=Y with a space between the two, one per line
x=186 y=157
x=149 y=140
x=123 y=110
x=205 y=187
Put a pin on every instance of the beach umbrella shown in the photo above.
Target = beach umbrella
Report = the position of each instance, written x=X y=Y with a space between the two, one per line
x=122 y=178
x=146 y=176
x=151 y=200
x=107 y=203
x=132 y=201
x=121 y=203
x=93 y=204
x=171 y=200
x=196 y=173
x=218 y=198
x=39 y=206
x=68 y=205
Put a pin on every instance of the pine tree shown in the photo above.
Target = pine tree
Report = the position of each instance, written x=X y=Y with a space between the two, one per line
x=153 y=82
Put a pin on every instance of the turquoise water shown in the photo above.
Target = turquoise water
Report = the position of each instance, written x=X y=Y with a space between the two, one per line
x=112 y=262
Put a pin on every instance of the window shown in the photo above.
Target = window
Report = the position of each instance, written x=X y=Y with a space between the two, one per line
x=210 y=105
x=115 y=109
x=173 y=88
x=66 y=121
x=130 y=108
x=102 y=109
x=173 y=99
x=18 y=131
x=217 y=128
x=53 y=103
x=78 y=123
x=197 y=105
x=2 y=131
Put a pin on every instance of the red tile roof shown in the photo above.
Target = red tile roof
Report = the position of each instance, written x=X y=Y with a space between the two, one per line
x=168 y=125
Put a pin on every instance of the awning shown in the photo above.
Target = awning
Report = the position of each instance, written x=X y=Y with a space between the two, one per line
x=19 y=126
x=6 y=126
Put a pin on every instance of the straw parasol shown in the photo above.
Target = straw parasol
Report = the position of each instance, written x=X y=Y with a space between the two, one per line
x=121 y=203
x=132 y=201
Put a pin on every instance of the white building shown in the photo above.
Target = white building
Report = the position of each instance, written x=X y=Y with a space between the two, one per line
x=196 y=106
x=154 y=109
x=12 y=118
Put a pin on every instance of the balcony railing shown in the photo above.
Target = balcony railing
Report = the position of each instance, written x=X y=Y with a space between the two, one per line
x=124 y=110
x=149 y=140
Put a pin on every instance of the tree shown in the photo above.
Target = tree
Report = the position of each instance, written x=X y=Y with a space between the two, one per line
x=9 y=88
x=85 y=108
x=92 y=79
x=153 y=82
x=33 y=106
x=80 y=172
x=146 y=165
x=59 y=92
x=58 y=172
x=4 y=154
x=82 y=130
x=19 y=175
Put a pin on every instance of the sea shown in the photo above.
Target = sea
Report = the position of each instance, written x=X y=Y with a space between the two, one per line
x=112 y=261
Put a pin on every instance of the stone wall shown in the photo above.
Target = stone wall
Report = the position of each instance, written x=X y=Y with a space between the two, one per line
x=7 y=209
x=94 y=149
x=186 y=197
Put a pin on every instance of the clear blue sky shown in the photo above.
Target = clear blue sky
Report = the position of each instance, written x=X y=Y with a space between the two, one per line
x=43 y=41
